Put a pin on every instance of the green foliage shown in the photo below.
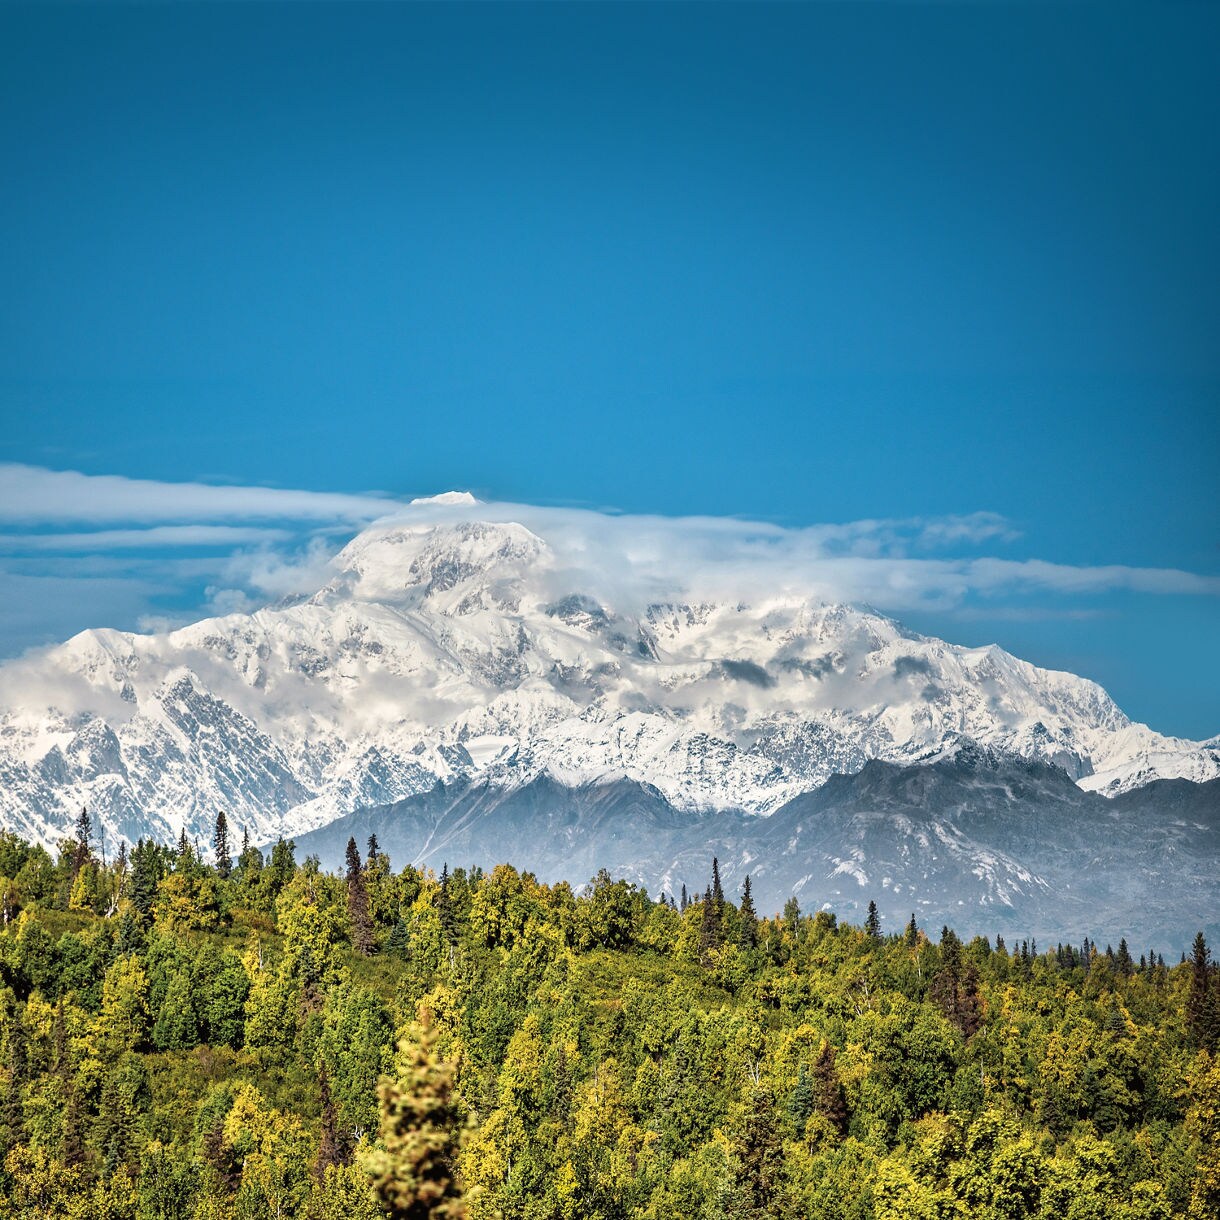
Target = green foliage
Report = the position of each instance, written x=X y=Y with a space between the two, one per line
x=414 y=1166
x=175 y=1041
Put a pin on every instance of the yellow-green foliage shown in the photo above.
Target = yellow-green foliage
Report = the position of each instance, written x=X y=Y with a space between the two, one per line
x=168 y=1037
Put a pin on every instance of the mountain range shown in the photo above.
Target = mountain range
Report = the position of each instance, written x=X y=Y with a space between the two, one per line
x=454 y=676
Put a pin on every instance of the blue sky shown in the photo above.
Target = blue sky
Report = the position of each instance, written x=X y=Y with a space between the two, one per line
x=802 y=265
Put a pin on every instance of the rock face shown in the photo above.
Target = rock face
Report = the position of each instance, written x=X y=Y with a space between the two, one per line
x=466 y=653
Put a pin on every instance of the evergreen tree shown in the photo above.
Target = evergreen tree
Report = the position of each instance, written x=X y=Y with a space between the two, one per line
x=83 y=849
x=400 y=938
x=1123 y=959
x=220 y=844
x=747 y=937
x=717 y=891
x=1201 y=1006
x=146 y=871
x=912 y=933
x=358 y=903
x=711 y=934
x=801 y=1101
x=685 y=900
x=955 y=987
x=251 y=859
x=445 y=908
x=283 y=863
x=330 y=1144
x=374 y=848
x=829 y=1099
x=415 y=1172
x=872 y=925
x=761 y=1155
x=12 y=1114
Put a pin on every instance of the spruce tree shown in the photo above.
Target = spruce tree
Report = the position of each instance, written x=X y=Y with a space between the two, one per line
x=400 y=938
x=710 y=932
x=955 y=987
x=1201 y=1016
x=829 y=1098
x=358 y=902
x=83 y=850
x=330 y=1144
x=761 y=1155
x=445 y=908
x=912 y=932
x=12 y=1115
x=374 y=849
x=147 y=869
x=685 y=899
x=872 y=925
x=717 y=890
x=801 y=1100
x=220 y=844
x=415 y=1172
x=747 y=937
x=1123 y=959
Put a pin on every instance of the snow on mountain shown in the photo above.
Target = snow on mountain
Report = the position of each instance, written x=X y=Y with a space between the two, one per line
x=443 y=650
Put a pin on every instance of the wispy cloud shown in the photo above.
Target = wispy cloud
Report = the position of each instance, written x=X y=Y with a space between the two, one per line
x=163 y=553
x=164 y=537
x=36 y=496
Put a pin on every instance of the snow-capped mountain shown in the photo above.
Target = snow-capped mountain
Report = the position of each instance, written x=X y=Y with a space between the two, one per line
x=450 y=650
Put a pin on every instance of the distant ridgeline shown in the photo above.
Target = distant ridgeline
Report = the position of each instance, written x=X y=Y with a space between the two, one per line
x=183 y=1039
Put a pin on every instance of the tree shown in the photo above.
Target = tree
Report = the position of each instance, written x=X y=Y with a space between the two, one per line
x=83 y=849
x=717 y=890
x=747 y=937
x=710 y=932
x=415 y=1173
x=801 y=1100
x=330 y=1146
x=177 y=1025
x=220 y=844
x=147 y=869
x=761 y=1154
x=12 y=1115
x=872 y=925
x=955 y=989
x=400 y=939
x=828 y=1097
x=1202 y=1018
x=358 y=903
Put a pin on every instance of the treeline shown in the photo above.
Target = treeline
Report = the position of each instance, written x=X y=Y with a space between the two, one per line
x=181 y=1038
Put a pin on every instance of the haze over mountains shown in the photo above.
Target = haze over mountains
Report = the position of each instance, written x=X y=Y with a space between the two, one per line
x=453 y=684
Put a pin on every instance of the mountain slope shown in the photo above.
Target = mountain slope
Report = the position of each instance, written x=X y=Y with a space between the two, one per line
x=467 y=651
x=983 y=841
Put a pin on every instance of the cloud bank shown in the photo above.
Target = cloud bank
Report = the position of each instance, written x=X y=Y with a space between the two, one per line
x=81 y=550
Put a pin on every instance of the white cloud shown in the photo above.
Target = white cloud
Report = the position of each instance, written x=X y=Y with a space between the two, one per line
x=35 y=495
x=58 y=580
x=633 y=560
x=157 y=536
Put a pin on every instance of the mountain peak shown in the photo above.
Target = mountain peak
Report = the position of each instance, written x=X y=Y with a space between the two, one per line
x=447 y=498
x=449 y=646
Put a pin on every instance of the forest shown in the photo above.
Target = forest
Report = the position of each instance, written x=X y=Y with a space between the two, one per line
x=237 y=1034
